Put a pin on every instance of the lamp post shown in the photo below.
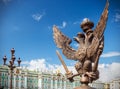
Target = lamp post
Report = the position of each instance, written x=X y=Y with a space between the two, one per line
x=11 y=64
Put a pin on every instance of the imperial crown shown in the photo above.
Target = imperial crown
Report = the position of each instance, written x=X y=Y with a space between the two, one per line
x=86 y=24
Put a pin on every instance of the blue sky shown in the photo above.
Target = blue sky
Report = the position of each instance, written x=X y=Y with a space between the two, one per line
x=26 y=25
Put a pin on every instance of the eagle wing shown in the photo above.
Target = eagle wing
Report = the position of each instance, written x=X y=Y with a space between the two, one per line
x=98 y=33
x=99 y=30
x=63 y=42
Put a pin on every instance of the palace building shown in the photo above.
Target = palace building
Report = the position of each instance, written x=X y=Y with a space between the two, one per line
x=115 y=84
x=26 y=79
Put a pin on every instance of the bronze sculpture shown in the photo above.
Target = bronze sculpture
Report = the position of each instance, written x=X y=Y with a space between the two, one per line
x=91 y=44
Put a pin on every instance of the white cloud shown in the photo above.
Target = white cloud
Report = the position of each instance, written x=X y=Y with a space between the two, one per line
x=76 y=22
x=76 y=45
x=64 y=24
x=110 y=54
x=6 y=1
x=49 y=27
x=80 y=21
x=25 y=62
x=38 y=16
x=37 y=64
x=42 y=65
x=117 y=17
x=109 y=72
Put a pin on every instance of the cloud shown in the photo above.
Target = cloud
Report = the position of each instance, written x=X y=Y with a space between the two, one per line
x=109 y=72
x=36 y=64
x=79 y=22
x=25 y=62
x=42 y=65
x=49 y=27
x=64 y=24
x=38 y=16
x=6 y=1
x=76 y=22
x=76 y=45
x=117 y=17
x=110 y=54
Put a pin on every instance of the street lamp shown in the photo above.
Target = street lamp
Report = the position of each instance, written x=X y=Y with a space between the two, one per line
x=11 y=64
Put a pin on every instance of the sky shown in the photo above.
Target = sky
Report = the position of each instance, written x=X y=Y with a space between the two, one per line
x=26 y=26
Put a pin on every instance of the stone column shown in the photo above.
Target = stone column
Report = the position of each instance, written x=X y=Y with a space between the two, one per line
x=65 y=84
x=25 y=85
x=55 y=82
x=14 y=81
x=39 y=82
x=9 y=81
x=51 y=82
x=19 y=82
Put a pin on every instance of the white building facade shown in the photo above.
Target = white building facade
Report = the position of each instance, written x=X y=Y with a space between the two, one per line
x=115 y=84
x=25 y=79
x=97 y=85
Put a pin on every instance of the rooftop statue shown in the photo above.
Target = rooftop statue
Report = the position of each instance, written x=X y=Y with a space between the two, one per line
x=91 y=44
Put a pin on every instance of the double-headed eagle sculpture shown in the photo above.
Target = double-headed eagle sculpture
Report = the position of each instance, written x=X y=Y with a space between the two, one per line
x=91 y=44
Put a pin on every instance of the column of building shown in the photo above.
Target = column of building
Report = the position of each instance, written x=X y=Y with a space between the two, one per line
x=65 y=83
x=61 y=85
x=19 y=82
x=51 y=86
x=56 y=83
x=39 y=81
x=25 y=79
x=14 y=81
